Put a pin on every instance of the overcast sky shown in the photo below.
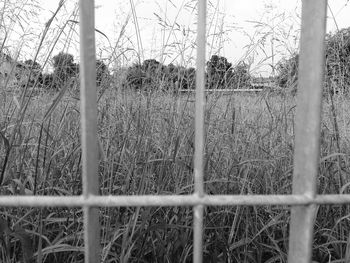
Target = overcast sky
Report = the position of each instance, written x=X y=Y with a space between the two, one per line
x=238 y=30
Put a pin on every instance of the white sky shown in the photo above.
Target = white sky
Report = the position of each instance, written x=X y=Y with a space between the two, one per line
x=231 y=27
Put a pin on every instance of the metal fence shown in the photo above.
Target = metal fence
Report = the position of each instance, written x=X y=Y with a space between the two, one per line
x=303 y=200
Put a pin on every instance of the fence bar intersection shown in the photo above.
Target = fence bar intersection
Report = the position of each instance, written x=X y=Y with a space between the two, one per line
x=199 y=133
x=89 y=128
x=308 y=119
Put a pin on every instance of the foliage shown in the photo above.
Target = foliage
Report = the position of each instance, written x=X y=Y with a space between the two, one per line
x=33 y=64
x=240 y=77
x=102 y=74
x=287 y=71
x=47 y=81
x=153 y=75
x=337 y=61
x=189 y=79
x=222 y=75
x=134 y=77
x=219 y=72
x=36 y=71
x=64 y=69
x=337 y=69
x=180 y=77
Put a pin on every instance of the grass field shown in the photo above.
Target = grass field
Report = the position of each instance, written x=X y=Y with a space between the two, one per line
x=147 y=145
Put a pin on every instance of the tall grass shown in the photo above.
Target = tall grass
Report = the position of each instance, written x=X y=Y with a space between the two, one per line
x=146 y=147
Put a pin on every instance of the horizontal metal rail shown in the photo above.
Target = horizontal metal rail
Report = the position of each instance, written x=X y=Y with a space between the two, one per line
x=170 y=200
x=221 y=90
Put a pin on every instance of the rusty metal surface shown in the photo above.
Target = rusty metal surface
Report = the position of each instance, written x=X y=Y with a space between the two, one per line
x=308 y=119
x=89 y=128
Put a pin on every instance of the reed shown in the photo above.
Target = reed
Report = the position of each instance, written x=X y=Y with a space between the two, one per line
x=146 y=147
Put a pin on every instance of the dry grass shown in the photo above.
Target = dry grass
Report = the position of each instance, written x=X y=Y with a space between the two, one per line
x=147 y=148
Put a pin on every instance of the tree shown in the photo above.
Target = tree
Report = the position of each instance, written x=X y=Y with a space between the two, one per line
x=239 y=76
x=134 y=77
x=189 y=79
x=337 y=69
x=150 y=75
x=47 y=81
x=153 y=71
x=337 y=61
x=218 y=69
x=153 y=75
x=64 y=68
x=151 y=65
x=102 y=73
x=287 y=71
x=35 y=67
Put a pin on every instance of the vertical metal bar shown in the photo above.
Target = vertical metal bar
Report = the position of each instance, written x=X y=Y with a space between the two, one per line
x=306 y=154
x=199 y=133
x=89 y=128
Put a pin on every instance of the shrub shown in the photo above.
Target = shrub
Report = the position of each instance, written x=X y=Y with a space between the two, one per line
x=240 y=76
x=134 y=77
x=64 y=69
x=288 y=71
x=337 y=69
x=219 y=71
x=153 y=75
x=102 y=74
x=47 y=81
x=36 y=73
x=337 y=61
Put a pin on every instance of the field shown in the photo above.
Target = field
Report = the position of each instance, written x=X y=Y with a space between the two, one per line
x=146 y=128
x=146 y=147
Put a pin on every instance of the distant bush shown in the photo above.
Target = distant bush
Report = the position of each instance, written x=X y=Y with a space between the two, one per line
x=337 y=68
x=337 y=61
x=222 y=75
x=288 y=71
x=153 y=75
x=219 y=72
x=36 y=72
x=47 y=81
x=240 y=76
x=64 y=69
x=102 y=74
x=154 y=72
x=179 y=77
x=66 y=72
x=189 y=79
x=134 y=77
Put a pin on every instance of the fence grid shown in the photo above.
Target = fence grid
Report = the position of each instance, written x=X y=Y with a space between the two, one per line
x=304 y=198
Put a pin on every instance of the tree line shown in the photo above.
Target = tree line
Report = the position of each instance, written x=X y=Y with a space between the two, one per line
x=220 y=74
x=64 y=71
x=149 y=75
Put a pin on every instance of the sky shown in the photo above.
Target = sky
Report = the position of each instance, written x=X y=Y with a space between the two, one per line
x=259 y=32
